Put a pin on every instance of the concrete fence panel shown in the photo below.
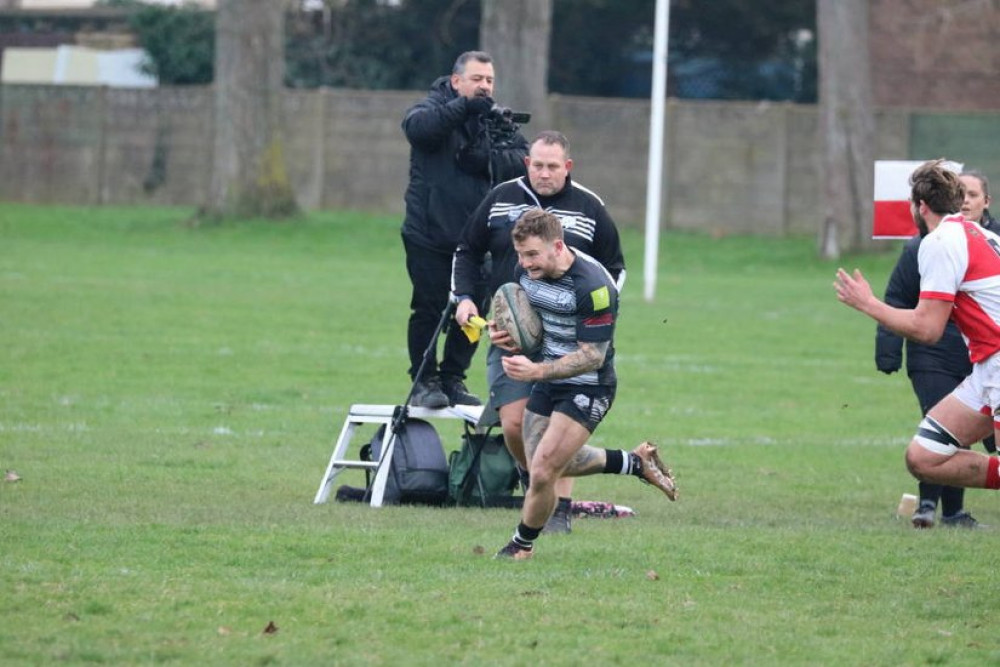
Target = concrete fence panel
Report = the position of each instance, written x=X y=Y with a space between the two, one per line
x=609 y=140
x=729 y=167
x=158 y=146
x=733 y=156
x=366 y=156
x=52 y=144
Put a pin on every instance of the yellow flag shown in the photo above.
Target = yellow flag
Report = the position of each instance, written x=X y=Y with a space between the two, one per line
x=474 y=328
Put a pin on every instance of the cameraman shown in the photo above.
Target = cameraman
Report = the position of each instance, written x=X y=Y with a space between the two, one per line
x=457 y=154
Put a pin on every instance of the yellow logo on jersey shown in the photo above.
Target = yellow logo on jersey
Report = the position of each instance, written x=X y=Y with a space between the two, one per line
x=601 y=298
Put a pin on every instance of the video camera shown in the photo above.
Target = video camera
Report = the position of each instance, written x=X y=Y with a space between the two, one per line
x=503 y=123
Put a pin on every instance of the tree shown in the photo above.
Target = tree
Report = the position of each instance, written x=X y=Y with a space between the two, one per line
x=179 y=40
x=379 y=45
x=743 y=49
x=516 y=33
x=724 y=49
x=847 y=125
x=249 y=175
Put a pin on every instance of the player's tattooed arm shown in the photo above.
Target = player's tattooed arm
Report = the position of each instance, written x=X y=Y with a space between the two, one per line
x=588 y=357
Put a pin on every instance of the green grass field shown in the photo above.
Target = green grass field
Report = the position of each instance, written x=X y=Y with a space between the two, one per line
x=170 y=396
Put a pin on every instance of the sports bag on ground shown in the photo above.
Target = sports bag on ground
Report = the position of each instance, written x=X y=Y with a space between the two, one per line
x=418 y=472
x=482 y=473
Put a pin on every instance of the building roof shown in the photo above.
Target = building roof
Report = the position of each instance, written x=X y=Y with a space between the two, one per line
x=75 y=65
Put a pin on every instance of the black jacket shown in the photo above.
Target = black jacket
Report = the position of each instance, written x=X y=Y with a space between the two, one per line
x=586 y=226
x=449 y=169
x=949 y=355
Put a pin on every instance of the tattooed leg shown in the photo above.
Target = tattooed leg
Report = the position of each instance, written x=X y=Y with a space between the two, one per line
x=551 y=443
x=564 y=487
x=588 y=461
x=534 y=428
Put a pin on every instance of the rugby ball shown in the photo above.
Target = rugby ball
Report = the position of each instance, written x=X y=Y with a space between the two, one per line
x=513 y=313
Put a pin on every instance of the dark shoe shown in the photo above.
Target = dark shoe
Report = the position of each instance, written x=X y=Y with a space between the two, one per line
x=458 y=393
x=924 y=516
x=561 y=520
x=514 y=552
x=960 y=520
x=428 y=394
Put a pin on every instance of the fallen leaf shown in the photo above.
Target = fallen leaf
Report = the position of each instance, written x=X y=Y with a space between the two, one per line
x=652 y=575
x=11 y=476
x=271 y=628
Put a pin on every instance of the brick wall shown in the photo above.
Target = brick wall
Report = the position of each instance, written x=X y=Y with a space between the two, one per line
x=937 y=54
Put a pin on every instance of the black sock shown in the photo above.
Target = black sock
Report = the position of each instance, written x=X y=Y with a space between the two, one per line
x=613 y=461
x=952 y=499
x=525 y=536
x=620 y=462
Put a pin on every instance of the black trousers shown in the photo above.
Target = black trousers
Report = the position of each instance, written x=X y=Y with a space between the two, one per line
x=931 y=388
x=430 y=276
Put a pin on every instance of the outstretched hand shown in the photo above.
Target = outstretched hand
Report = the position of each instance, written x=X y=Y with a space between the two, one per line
x=853 y=289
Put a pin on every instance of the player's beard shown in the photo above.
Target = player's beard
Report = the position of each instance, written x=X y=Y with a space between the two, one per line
x=920 y=222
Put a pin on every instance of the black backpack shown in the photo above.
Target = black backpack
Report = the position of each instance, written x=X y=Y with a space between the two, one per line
x=418 y=473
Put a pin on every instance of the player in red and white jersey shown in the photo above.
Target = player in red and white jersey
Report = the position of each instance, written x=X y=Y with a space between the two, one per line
x=959 y=265
x=959 y=262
